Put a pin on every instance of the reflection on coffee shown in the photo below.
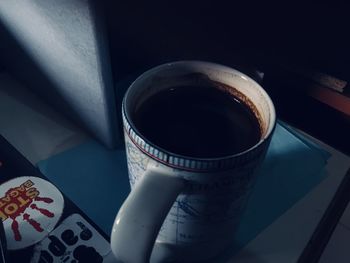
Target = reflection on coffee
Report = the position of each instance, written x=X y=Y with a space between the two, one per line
x=197 y=121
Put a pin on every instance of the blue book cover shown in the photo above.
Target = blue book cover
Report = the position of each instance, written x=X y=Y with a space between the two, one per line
x=97 y=180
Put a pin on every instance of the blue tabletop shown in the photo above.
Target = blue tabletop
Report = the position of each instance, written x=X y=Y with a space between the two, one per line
x=96 y=179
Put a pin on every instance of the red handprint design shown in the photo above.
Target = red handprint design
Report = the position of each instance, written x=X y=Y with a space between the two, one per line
x=17 y=201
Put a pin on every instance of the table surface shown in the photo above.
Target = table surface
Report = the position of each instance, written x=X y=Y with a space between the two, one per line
x=39 y=132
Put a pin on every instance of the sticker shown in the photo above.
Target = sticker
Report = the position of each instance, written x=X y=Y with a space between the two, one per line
x=30 y=207
x=73 y=241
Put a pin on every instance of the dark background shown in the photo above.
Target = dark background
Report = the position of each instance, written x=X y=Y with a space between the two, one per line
x=151 y=32
x=246 y=35
x=142 y=34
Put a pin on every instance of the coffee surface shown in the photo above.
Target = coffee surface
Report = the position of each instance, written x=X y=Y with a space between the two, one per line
x=197 y=121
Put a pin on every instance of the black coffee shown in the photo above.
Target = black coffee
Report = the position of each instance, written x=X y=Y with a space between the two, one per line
x=197 y=122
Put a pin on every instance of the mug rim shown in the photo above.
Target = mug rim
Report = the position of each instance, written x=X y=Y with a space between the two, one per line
x=143 y=143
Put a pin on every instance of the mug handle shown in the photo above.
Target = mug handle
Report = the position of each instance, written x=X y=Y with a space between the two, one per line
x=139 y=219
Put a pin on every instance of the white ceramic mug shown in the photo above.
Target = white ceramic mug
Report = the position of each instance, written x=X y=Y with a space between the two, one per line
x=184 y=209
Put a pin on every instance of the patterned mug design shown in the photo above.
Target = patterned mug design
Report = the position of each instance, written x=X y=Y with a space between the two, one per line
x=185 y=208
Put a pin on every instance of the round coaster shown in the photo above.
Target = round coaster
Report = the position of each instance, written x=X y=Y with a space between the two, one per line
x=30 y=207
